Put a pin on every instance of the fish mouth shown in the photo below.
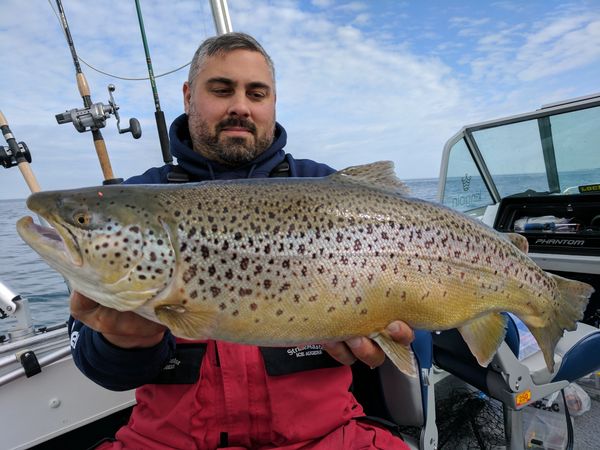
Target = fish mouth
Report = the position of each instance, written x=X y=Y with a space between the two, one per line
x=57 y=242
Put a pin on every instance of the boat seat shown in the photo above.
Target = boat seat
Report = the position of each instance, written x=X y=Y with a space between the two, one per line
x=392 y=398
x=519 y=383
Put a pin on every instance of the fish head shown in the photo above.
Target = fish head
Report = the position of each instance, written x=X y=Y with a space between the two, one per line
x=110 y=243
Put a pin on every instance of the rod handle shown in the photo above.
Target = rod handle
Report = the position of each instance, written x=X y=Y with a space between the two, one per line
x=29 y=177
x=82 y=85
x=102 y=153
x=163 y=136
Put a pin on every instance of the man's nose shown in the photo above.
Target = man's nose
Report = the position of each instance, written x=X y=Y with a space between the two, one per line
x=239 y=106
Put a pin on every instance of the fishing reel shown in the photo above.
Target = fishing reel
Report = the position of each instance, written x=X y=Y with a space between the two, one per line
x=8 y=158
x=95 y=116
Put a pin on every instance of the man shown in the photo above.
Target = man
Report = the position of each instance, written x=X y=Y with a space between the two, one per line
x=208 y=394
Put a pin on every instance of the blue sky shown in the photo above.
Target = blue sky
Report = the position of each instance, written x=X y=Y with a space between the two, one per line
x=357 y=81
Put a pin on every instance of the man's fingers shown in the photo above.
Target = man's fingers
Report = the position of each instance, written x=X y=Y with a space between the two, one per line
x=367 y=351
x=356 y=348
x=81 y=305
x=400 y=332
x=340 y=352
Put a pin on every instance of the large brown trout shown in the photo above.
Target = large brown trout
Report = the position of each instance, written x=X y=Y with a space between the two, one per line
x=289 y=261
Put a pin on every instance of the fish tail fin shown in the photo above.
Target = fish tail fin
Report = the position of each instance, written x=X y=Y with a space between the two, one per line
x=570 y=307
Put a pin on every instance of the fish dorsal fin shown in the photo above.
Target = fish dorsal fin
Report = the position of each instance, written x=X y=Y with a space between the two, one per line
x=379 y=175
x=484 y=335
x=518 y=240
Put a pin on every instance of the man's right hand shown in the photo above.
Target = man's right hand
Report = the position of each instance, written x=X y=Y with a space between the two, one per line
x=123 y=329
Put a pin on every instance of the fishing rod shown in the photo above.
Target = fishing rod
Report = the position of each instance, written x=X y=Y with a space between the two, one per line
x=93 y=116
x=159 y=115
x=222 y=25
x=16 y=154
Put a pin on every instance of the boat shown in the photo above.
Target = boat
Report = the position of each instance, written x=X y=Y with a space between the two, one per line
x=536 y=174
x=501 y=172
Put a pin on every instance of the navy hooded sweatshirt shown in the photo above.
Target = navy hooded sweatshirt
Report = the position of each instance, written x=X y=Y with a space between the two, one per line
x=116 y=368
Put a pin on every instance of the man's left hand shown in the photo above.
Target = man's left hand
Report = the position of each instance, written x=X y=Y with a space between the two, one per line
x=367 y=350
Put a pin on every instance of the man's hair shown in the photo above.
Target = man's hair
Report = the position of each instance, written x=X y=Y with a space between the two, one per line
x=223 y=44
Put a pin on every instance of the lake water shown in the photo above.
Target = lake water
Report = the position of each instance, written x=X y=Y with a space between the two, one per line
x=25 y=273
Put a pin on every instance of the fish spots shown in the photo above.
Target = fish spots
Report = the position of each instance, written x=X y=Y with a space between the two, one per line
x=204 y=252
x=244 y=292
x=190 y=273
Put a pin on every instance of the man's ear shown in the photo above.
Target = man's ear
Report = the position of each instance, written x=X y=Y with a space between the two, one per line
x=187 y=94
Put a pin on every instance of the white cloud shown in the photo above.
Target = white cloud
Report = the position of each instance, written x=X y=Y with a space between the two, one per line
x=543 y=49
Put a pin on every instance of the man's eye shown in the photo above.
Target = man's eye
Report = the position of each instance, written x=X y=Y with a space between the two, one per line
x=257 y=95
x=221 y=91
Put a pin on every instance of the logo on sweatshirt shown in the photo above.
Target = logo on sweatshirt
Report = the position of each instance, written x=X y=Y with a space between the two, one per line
x=306 y=350
x=74 y=338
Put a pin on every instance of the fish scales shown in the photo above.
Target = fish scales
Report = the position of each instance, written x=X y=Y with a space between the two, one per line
x=289 y=261
x=295 y=254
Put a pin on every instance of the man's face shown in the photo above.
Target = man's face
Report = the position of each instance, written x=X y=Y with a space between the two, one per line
x=231 y=107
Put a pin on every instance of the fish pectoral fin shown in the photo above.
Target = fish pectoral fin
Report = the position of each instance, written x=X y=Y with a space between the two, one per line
x=518 y=240
x=484 y=335
x=184 y=322
x=401 y=355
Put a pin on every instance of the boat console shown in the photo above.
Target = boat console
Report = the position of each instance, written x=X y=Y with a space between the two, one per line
x=563 y=232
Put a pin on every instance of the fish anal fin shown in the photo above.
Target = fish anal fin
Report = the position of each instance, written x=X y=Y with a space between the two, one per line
x=518 y=240
x=401 y=355
x=547 y=338
x=184 y=322
x=484 y=335
x=379 y=175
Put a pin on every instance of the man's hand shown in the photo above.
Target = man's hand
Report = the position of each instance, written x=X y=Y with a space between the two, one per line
x=123 y=329
x=366 y=349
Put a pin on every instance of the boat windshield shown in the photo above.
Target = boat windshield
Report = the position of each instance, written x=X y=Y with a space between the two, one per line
x=555 y=150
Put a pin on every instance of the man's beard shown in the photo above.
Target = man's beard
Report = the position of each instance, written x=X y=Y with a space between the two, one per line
x=232 y=151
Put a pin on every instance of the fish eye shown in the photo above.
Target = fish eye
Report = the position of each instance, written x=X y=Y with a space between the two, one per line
x=82 y=218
